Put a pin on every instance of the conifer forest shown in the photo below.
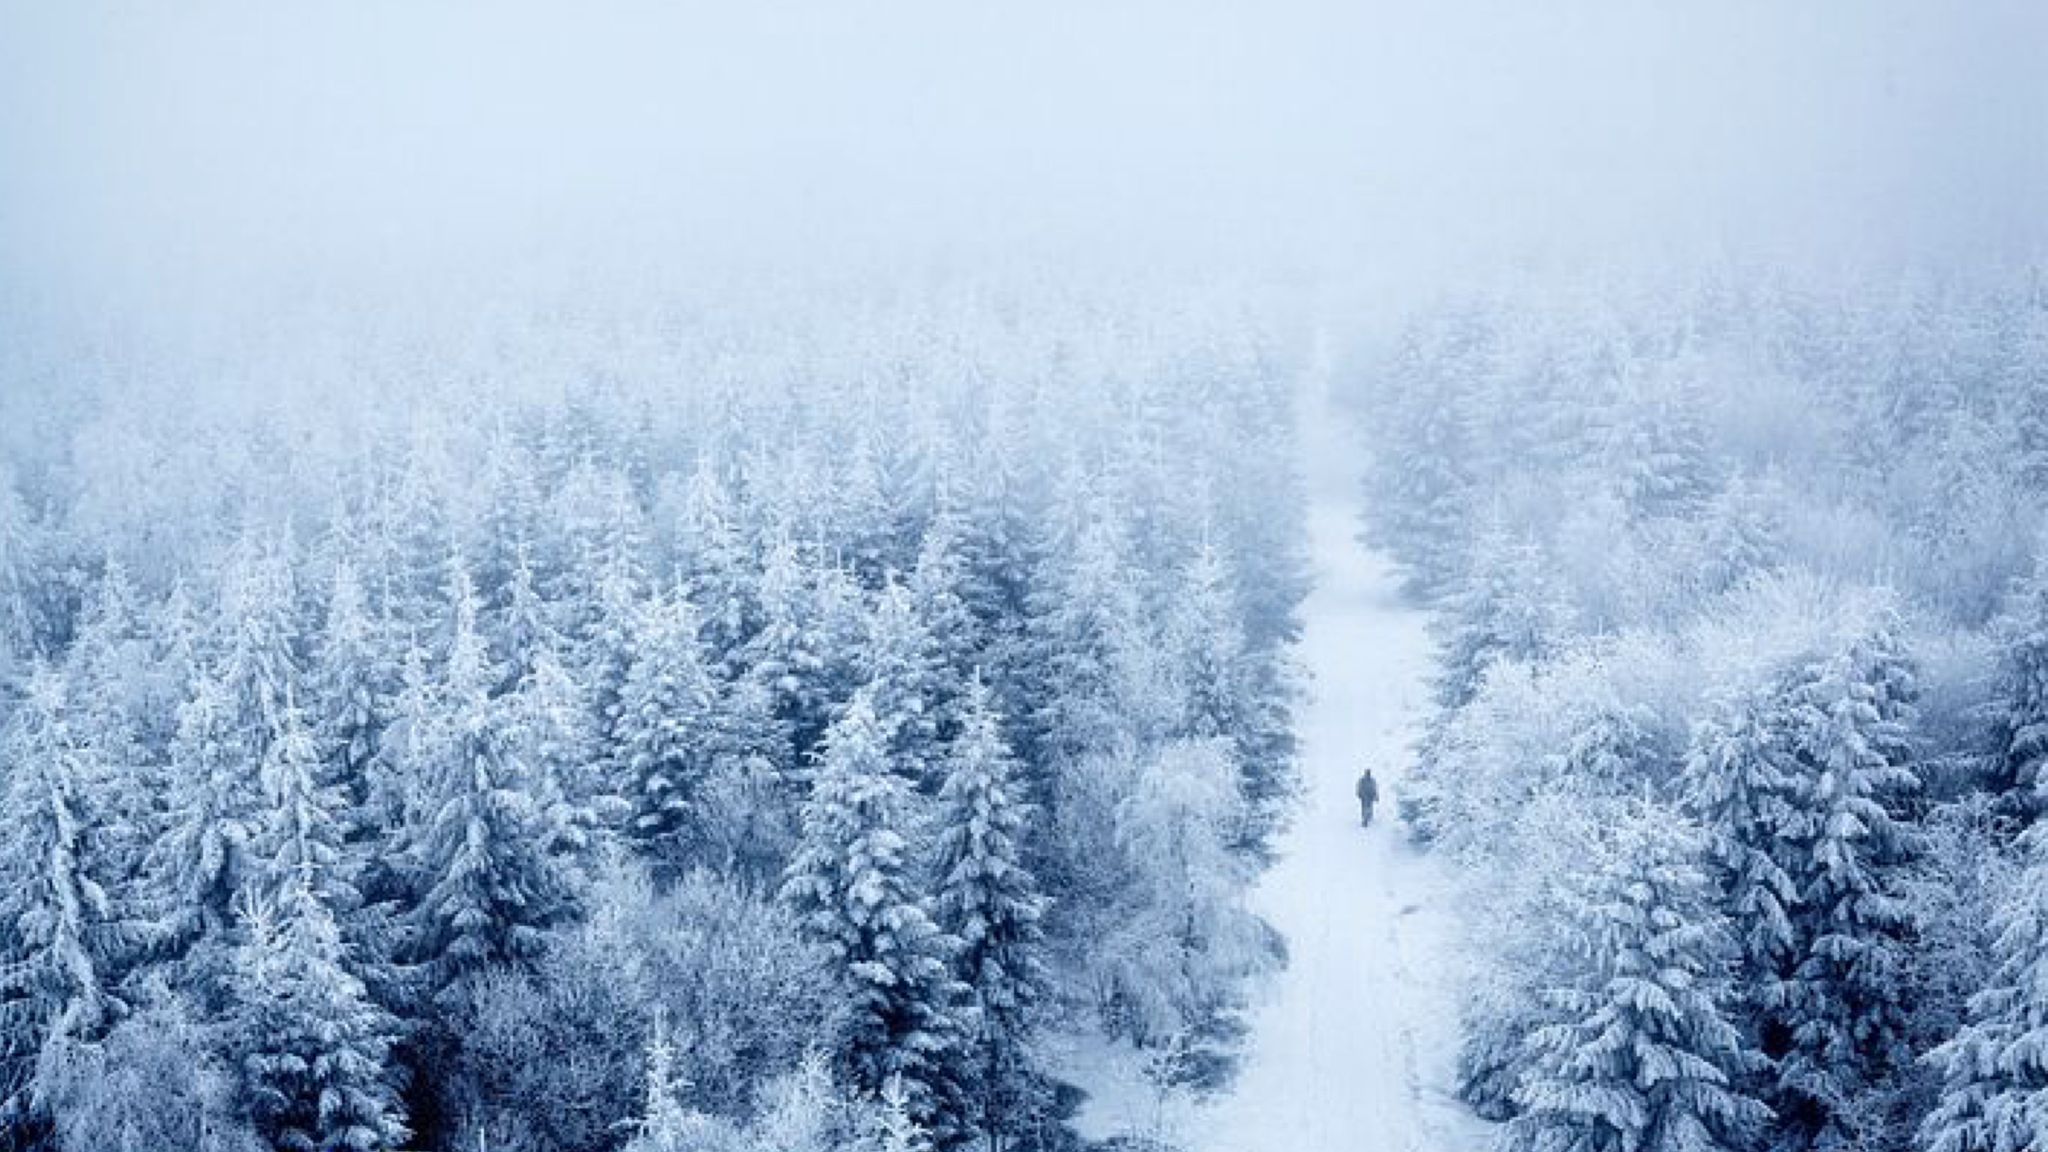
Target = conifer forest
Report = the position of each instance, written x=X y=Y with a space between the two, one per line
x=1304 y=577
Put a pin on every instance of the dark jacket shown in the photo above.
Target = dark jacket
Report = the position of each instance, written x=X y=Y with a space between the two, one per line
x=1368 y=789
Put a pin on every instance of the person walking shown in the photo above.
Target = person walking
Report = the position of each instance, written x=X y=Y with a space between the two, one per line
x=1368 y=795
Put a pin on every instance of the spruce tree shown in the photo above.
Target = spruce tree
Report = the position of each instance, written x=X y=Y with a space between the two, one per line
x=1085 y=643
x=259 y=661
x=1841 y=1007
x=177 y=658
x=104 y=665
x=990 y=903
x=204 y=857
x=1738 y=783
x=63 y=940
x=603 y=590
x=936 y=586
x=1501 y=609
x=1644 y=1058
x=715 y=566
x=313 y=1048
x=1228 y=692
x=1658 y=454
x=1421 y=485
x=2020 y=719
x=786 y=656
x=899 y=666
x=895 y=1127
x=668 y=720
x=354 y=683
x=854 y=888
x=409 y=539
x=1994 y=1094
x=1209 y=652
x=489 y=885
x=298 y=844
x=548 y=719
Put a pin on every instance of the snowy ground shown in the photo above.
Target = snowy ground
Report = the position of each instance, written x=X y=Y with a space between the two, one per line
x=1353 y=1050
x=1352 y=1046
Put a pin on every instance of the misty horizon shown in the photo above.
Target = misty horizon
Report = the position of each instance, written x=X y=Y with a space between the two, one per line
x=1076 y=577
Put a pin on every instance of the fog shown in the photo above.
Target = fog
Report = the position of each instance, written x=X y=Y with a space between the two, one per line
x=172 y=153
x=855 y=574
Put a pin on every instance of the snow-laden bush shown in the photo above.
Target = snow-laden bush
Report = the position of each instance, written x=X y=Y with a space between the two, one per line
x=154 y=1082
x=1169 y=964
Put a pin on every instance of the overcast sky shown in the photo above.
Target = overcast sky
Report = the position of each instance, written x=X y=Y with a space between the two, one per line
x=167 y=146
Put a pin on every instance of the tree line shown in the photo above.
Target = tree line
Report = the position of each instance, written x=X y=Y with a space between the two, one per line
x=1740 y=710
x=707 y=734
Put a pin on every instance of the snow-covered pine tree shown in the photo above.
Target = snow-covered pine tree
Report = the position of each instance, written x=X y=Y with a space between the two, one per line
x=105 y=665
x=522 y=628
x=801 y=1110
x=212 y=815
x=402 y=773
x=842 y=614
x=488 y=884
x=177 y=642
x=409 y=537
x=2028 y=417
x=989 y=902
x=1180 y=940
x=1739 y=534
x=863 y=515
x=108 y=669
x=1841 y=1009
x=298 y=839
x=1501 y=609
x=714 y=565
x=1658 y=455
x=225 y=732
x=1644 y=1058
x=1994 y=1094
x=1420 y=484
x=353 y=680
x=786 y=653
x=935 y=585
x=549 y=720
x=899 y=667
x=259 y=661
x=999 y=504
x=502 y=537
x=1740 y=787
x=664 y=739
x=550 y=715
x=603 y=586
x=1228 y=691
x=63 y=940
x=2020 y=701
x=312 y=1046
x=1085 y=637
x=1208 y=648
x=854 y=888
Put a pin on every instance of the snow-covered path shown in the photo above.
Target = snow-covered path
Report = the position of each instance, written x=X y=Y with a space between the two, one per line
x=1352 y=1046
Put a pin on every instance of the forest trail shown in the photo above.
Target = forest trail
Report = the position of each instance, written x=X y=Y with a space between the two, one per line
x=1352 y=1047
